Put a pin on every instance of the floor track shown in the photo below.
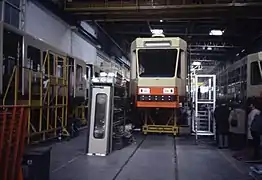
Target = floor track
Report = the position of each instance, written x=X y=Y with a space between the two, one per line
x=154 y=158
x=129 y=158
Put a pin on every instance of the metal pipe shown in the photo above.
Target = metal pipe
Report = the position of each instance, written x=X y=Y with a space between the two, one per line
x=102 y=29
x=3 y=11
x=12 y=5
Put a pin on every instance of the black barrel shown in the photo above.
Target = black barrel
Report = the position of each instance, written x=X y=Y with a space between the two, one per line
x=36 y=164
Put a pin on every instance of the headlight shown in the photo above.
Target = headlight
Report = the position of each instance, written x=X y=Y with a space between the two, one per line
x=144 y=90
x=168 y=90
x=95 y=80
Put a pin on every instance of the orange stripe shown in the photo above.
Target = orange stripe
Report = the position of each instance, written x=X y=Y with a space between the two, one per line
x=157 y=104
x=157 y=90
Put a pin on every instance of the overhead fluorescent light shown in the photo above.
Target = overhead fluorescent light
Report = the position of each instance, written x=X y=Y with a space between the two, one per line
x=237 y=54
x=157 y=43
x=157 y=31
x=161 y=20
x=243 y=50
x=216 y=33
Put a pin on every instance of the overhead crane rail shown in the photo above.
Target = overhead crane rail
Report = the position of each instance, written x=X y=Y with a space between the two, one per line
x=140 y=4
x=154 y=10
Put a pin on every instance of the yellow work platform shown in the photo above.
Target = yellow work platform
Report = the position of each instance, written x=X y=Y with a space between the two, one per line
x=170 y=129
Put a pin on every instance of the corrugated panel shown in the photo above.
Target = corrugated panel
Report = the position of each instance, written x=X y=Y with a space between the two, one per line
x=46 y=26
x=82 y=49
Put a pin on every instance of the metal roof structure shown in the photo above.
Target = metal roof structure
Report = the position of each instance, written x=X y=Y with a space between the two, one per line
x=125 y=20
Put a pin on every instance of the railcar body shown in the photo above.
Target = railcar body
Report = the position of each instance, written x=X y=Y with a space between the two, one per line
x=158 y=81
x=43 y=78
x=242 y=79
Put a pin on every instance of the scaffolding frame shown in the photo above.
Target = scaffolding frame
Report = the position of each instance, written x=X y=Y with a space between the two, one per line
x=51 y=107
x=208 y=114
x=40 y=83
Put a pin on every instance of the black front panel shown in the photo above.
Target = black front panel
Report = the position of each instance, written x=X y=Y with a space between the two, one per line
x=157 y=98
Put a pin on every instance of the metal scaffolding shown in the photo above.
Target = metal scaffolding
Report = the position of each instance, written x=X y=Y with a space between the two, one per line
x=205 y=101
x=36 y=77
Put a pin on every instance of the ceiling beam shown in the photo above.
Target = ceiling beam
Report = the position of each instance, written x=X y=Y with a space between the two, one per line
x=170 y=12
x=105 y=6
x=167 y=33
x=214 y=46
x=207 y=54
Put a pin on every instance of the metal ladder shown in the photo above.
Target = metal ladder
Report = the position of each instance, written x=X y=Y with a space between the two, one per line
x=203 y=123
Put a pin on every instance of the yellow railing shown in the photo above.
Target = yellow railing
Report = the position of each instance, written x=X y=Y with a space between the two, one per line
x=13 y=76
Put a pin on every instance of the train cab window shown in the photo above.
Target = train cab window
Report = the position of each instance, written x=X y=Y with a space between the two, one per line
x=255 y=74
x=33 y=58
x=179 y=63
x=157 y=62
x=79 y=73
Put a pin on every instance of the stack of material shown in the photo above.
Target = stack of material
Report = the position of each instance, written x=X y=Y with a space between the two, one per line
x=256 y=172
x=118 y=137
x=128 y=136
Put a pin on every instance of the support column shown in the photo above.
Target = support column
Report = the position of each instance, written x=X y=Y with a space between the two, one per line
x=22 y=15
x=2 y=10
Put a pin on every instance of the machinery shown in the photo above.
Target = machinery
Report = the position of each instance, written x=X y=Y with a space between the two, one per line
x=158 y=83
x=107 y=114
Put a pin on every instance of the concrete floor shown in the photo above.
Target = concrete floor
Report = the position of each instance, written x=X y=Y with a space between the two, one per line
x=155 y=159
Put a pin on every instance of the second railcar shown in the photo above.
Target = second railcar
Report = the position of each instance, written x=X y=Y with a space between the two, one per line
x=158 y=81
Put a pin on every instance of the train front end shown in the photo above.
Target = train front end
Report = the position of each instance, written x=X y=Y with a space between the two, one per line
x=158 y=82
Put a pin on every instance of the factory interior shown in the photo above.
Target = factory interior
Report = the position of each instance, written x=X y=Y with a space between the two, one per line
x=130 y=89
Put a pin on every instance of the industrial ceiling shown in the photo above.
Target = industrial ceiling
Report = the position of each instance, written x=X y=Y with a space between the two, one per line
x=124 y=20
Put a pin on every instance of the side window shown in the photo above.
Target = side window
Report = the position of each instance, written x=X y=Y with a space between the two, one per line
x=33 y=58
x=179 y=63
x=79 y=73
x=60 y=66
x=256 y=78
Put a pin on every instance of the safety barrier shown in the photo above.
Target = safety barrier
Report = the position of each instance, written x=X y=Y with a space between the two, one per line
x=13 y=123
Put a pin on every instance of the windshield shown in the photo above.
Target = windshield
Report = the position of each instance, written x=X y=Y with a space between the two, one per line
x=157 y=62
